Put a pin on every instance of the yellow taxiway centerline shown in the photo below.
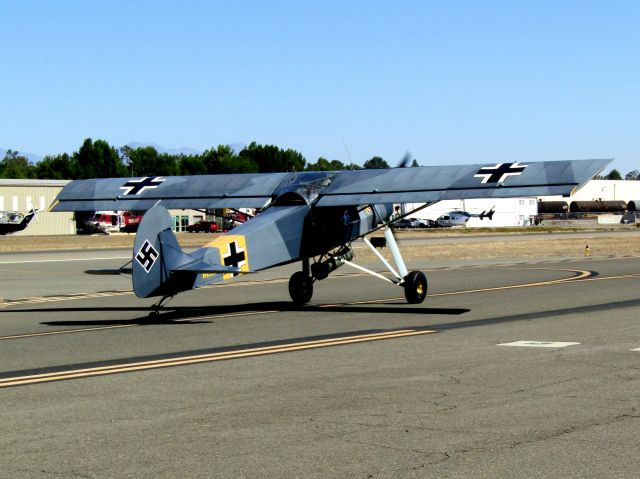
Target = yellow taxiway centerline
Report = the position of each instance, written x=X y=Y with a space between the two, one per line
x=202 y=358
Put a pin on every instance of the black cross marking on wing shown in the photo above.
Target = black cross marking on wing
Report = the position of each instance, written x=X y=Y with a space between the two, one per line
x=147 y=256
x=137 y=187
x=235 y=256
x=499 y=172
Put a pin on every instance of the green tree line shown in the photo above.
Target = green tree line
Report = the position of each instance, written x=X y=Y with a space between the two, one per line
x=615 y=175
x=98 y=159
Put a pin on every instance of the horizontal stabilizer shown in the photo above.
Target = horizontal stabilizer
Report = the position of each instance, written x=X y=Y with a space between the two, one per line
x=198 y=266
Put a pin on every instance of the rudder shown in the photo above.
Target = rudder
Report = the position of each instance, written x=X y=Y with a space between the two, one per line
x=155 y=253
x=159 y=266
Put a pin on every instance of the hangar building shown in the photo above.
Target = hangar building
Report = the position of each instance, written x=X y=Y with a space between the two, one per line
x=23 y=195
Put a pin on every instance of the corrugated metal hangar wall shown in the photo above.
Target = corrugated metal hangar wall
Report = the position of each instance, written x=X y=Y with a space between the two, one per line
x=23 y=195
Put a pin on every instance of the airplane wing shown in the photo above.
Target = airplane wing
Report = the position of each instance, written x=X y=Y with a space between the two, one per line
x=435 y=183
x=251 y=190
x=358 y=187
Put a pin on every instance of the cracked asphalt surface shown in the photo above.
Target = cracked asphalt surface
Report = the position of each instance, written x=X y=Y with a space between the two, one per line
x=448 y=404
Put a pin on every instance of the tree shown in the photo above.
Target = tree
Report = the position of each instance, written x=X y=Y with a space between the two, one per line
x=56 y=167
x=270 y=158
x=220 y=159
x=414 y=163
x=237 y=164
x=292 y=160
x=192 y=165
x=375 y=163
x=98 y=160
x=614 y=175
x=325 y=165
x=146 y=161
x=15 y=166
x=352 y=166
x=632 y=175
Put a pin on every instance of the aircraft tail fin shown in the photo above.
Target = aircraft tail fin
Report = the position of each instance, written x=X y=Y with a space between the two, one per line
x=159 y=266
x=27 y=219
x=487 y=214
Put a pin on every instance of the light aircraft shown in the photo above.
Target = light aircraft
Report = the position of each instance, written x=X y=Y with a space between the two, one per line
x=12 y=222
x=460 y=218
x=310 y=217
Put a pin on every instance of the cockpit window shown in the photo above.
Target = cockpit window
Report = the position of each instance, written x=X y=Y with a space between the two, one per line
x=302 y=188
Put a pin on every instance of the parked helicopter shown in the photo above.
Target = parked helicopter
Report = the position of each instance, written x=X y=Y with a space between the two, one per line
x=460 y=218
x=311 y=217
x=11 y=222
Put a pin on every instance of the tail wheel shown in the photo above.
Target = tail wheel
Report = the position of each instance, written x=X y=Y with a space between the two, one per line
x=300 y=288
x=415 y=287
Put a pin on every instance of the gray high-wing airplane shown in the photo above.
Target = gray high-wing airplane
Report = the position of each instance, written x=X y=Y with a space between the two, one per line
x=311 y=217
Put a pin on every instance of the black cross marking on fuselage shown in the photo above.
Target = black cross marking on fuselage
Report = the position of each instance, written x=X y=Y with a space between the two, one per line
x=147 y=256
x=136 y=187
x=235 y=257
x=498 y=173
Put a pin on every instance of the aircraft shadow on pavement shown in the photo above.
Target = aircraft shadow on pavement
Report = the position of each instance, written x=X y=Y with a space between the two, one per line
x=181 y=315
x=200 y=314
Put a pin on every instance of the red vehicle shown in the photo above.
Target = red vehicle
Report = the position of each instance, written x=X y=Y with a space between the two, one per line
x=203 y=226
x=131 y=222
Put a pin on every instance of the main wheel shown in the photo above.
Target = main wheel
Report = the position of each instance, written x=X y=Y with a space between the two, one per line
x=415 y=287
x=300 y=288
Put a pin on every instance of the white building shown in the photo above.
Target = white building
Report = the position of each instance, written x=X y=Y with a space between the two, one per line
x=507 y=211
x=519 y=211
x=603 y=190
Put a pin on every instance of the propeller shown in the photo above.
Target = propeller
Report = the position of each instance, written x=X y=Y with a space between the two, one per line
x=404 y=162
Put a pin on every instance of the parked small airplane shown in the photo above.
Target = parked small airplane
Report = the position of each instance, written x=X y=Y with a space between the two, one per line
x=460 y=218
x=311 y=217
x=12 y=222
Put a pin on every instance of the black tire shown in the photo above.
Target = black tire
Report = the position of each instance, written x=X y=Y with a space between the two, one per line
x=300 y=288
x=415 y=287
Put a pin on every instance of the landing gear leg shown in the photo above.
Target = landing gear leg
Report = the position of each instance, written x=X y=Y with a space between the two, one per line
x=156 y=307
x=414 y=282
x=301 y=284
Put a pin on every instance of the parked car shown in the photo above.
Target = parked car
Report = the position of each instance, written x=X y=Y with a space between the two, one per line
x=415 y=223
x=425 y=223
x=203 y=226
x=403 y=223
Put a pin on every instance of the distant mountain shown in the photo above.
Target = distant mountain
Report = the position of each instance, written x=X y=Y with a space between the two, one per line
x=237 y=147
x=171 y=151
x=30 y=156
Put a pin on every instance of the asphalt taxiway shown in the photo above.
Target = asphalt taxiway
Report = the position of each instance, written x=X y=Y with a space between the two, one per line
x=509 y=369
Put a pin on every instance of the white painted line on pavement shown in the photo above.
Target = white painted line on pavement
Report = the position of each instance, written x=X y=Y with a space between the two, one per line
x=63 y=260
x=539 y=344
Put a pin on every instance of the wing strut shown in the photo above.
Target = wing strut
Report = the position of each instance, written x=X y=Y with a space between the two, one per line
x=399 y=273
x=414 y=283
x=395 y=252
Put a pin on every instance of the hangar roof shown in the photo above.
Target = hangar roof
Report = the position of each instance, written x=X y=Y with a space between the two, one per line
x=14 y=182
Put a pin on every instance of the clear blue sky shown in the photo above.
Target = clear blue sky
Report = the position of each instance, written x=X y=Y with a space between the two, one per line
x=450 y=81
